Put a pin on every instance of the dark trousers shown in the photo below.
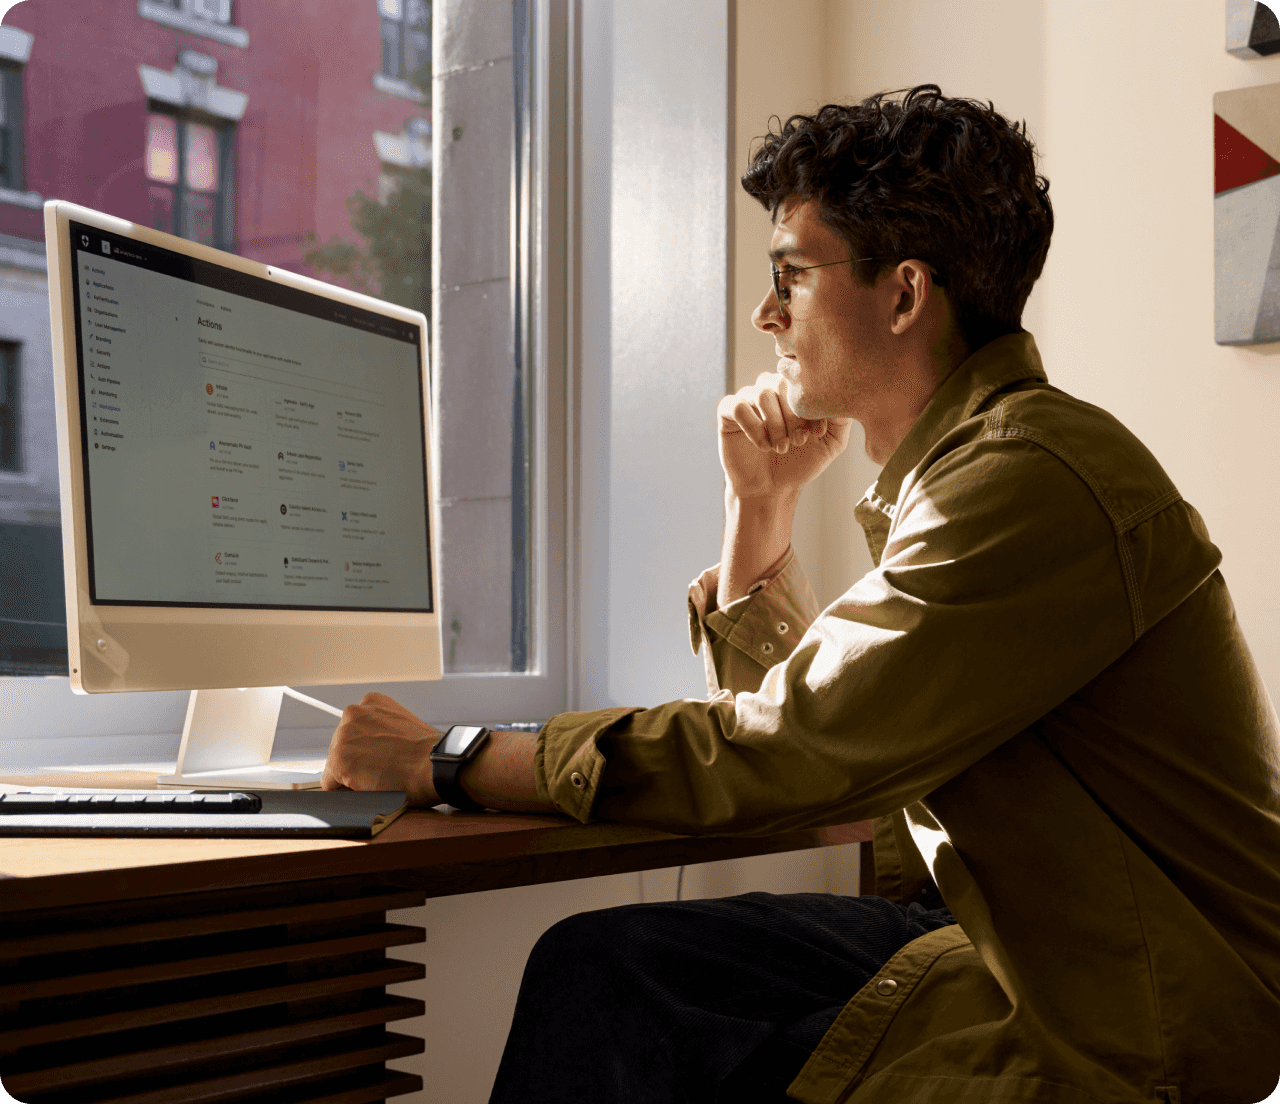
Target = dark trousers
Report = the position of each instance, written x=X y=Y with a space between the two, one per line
x=689 y=1002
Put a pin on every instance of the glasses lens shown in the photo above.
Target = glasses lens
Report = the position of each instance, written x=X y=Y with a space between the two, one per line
x=783 y=294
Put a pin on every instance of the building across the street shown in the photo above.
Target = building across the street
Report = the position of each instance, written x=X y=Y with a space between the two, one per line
x=294 y=133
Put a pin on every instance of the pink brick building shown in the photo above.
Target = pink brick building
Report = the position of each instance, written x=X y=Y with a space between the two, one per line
x=246 y=125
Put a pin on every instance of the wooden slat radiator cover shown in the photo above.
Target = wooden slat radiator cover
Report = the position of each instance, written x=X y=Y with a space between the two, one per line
x=275 y=993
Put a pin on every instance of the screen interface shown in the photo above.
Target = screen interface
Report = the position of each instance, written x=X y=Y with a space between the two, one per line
x=245 y=443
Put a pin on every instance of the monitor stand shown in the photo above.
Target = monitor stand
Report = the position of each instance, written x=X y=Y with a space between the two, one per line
x=227 y=739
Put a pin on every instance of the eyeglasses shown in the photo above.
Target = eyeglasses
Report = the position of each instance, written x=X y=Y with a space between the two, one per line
x=783 y=291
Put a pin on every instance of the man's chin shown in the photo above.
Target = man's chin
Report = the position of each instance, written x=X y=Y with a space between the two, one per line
x=799 y=402
x=798 y=399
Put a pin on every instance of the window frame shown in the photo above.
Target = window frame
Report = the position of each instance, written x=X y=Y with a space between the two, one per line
x=403 y=29
x=224 y=227
x=117 y=728
x=179 y=15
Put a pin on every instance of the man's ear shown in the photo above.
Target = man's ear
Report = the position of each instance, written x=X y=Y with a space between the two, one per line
x=914 y=285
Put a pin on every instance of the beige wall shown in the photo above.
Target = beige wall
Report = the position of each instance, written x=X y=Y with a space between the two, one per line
x=783 y=67
x=1118 y=96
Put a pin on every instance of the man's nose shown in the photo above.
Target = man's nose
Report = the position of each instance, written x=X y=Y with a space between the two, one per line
x=768 y=316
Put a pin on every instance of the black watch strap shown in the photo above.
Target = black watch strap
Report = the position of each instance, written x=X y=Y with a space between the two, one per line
x=444 y=777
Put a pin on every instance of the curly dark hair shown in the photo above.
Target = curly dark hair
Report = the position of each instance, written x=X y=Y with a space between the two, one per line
x=945 y=180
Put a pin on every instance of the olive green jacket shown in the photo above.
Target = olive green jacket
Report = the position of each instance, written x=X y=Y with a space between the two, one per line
x=1043 y=693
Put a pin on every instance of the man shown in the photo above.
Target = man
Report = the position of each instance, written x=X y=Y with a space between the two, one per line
x=1041 y=692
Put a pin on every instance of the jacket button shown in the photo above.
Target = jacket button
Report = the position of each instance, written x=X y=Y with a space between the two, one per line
x=767 y=648
x=782 y=627
x=577 y=780
x=887 y=987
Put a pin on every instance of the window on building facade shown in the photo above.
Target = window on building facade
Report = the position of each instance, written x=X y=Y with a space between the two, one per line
x=187 y=165
x=280 y=152
x=11 y=127
x=406 y=37
x=216 y=11
x=10 y=413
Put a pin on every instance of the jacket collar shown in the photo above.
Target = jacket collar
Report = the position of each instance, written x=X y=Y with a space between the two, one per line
x=1006 y=360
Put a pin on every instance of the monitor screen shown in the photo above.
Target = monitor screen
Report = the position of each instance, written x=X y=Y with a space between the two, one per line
x=246 y=444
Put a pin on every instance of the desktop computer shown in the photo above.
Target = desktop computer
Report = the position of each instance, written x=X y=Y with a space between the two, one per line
x=246 y=470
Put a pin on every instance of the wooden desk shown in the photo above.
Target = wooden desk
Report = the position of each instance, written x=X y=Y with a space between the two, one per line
x=168 y=971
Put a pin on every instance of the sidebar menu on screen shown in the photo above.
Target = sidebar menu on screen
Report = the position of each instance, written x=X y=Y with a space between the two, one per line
x=242 y=453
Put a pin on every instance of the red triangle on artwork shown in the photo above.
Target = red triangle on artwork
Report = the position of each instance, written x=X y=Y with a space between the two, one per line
x=1237 y=160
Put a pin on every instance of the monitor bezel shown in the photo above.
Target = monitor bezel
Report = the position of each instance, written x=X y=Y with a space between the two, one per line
x=123 y=647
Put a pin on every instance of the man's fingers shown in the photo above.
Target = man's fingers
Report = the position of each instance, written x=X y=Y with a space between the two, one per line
x=329 y=779
x=762 y=413
x=748 y=419
x=775 y=423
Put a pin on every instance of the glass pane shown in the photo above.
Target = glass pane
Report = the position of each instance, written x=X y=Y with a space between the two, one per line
x=10 y=445
x=162 y=149
x=391 y=63
x=349 y=202
x=417 y=52
x=201 y=157
x=162 y=205
x=198 y=214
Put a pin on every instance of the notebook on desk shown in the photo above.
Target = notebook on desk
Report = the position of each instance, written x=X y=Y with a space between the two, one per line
x=297 y=814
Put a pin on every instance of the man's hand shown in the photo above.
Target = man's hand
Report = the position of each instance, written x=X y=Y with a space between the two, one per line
x=380 y=745
x=765 y=449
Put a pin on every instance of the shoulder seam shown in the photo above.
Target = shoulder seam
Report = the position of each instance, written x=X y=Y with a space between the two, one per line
x=1122 y=526
x=1070 y=459
x=1151 y=509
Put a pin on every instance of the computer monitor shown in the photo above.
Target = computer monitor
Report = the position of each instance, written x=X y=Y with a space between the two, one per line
x=245 y=462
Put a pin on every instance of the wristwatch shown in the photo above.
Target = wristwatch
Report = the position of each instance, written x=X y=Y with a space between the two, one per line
x=459 y=746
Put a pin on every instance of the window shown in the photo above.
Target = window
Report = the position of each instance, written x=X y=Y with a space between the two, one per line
x=281 y=153
x=11 y=120
x=10 y=439
x=216 y=11
x=406 y=38
x=189 y=179
x=209 y=18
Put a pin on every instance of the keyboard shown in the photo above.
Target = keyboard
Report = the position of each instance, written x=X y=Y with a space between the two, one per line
x=130 y=803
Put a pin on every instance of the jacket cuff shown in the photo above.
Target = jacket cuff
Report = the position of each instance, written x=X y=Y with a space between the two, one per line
x=704 y=598
x=568 y=765
x=767 y=623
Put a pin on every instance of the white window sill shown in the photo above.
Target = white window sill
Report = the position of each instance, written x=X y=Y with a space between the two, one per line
x=21 y=199
x=396 y=87
x=181 y=21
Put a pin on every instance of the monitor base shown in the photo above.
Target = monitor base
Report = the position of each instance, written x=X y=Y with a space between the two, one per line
x=243 y=778
x=227 y=739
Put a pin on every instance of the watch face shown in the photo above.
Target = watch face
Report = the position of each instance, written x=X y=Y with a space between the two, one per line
x=458 y=739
